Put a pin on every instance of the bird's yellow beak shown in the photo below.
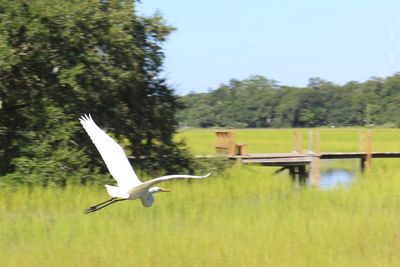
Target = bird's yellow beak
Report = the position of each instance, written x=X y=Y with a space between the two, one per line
x=164 y=190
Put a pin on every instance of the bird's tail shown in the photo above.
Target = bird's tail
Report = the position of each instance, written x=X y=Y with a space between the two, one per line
x=116 y=191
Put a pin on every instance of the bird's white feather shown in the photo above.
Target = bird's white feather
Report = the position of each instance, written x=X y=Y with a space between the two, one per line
x=116 y=191
x=112 y=153
x=146 y=185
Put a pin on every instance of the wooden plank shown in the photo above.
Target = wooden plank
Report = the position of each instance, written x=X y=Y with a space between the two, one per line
x=272 y=155
x=341 y=155
x=301 y=159
x=323 y=155
x=279 y=161
x=385 y=154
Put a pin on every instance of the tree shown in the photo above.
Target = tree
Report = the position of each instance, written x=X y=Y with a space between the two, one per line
x=86 y=56
x=49 y=156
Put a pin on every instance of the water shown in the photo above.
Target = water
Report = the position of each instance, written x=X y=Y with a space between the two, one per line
x=335 y=177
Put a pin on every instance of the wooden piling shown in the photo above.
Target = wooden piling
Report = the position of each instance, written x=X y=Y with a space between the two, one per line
x=369 y=149
x=310 y=140
x=297 y=141
x=362 y=148
x=302 y=174
x=366 y=147
x=315 y=164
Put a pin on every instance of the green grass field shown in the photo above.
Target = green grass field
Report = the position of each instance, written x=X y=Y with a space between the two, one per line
x=281 y=140
x=246 y=216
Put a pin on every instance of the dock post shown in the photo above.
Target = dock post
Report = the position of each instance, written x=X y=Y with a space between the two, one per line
x=302 y=174
x=298 y=141
x=298 y=174
x=293 y=174
x=362 y=164
x=369 y=149
x=366 y=147
x=310 y=140
x=315 y=164
x=238 y=161
x=362 y=148
x=296 y=177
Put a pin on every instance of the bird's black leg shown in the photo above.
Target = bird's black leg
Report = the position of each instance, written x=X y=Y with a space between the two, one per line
x=88 y=210
x=111 y=199
x=103 y=205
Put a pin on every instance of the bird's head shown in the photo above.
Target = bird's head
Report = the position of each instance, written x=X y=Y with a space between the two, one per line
x=158 y=190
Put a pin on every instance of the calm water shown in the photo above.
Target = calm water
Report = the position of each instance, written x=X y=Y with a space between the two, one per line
x=335 y=177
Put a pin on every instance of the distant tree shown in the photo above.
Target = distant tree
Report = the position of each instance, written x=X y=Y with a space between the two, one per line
x=317 y=82
x=260 y=102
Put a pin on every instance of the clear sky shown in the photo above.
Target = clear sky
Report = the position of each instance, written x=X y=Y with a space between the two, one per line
x=286 y=40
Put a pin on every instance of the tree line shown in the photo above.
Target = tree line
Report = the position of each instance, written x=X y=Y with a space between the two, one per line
x=261 y=102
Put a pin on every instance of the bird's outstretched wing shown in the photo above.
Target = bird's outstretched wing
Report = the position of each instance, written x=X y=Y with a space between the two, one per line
x=154 y=181
x=112 y=154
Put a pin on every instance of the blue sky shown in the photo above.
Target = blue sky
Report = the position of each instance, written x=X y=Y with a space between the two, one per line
x=288 y=41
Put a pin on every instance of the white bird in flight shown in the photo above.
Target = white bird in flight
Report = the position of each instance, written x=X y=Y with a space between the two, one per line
x=129 y=187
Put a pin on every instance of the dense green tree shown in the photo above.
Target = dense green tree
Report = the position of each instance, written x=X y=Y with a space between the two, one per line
x=48 y=156
x=79 y=57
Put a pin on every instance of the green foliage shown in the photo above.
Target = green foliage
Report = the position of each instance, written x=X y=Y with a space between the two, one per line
x=259 y=102
x=73 y=57
x=50 y=156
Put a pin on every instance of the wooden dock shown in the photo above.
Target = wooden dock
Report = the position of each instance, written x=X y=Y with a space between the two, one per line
x=280 y=158
x=302 y=165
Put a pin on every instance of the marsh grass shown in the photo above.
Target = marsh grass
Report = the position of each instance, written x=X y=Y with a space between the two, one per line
x=245 y=216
